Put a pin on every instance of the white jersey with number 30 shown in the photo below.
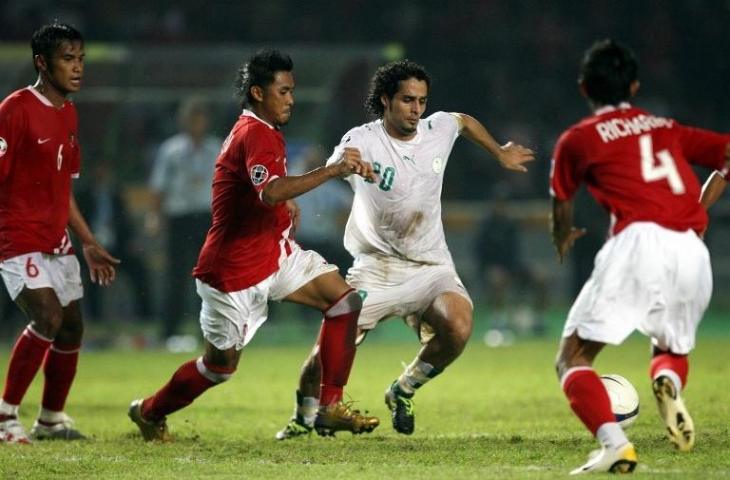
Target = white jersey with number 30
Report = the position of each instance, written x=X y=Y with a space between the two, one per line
x=400 y=213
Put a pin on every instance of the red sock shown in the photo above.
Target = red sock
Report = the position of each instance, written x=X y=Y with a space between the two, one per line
x=25 y=360
x=679 y=364
x=588 y=397
x=59 y=369
x=337 y=346
x=186 y=384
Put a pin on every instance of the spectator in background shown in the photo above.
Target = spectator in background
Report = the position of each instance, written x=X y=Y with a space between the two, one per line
x=323 y=212
x=101 y=201
x=504 y=272
x=180 y=181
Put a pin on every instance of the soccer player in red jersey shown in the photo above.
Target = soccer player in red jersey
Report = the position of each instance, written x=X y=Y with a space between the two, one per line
x=653 y=273
x=250 y=257
x=39 y=154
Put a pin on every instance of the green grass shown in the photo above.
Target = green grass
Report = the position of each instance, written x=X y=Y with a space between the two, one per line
x=496 y=413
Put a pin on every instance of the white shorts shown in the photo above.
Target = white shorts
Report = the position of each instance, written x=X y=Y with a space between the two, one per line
x=231 y=319
x=391 y=287
x=41 y=270
x=646 y=278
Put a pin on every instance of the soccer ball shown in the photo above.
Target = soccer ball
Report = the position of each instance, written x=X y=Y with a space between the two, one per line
x=624 y=399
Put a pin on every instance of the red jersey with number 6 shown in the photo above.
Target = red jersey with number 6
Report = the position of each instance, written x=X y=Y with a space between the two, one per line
x=39 y=154
x=249 y=238
x=637 y=166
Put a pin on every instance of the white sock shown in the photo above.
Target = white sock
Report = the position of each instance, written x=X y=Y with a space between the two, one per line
x=8 y=409
x=416 y=375
x=611 y=435
x=49 y=416
x=671 y=375
x=307 y=409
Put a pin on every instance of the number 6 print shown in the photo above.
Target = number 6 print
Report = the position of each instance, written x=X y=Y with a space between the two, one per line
x=31 y=269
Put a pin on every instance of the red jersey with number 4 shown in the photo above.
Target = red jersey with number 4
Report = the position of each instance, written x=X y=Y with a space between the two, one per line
x=249 y=238
x=39 y=153
x=637 y=166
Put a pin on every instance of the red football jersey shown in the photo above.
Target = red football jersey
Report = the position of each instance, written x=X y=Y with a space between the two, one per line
x=39 y=153
x=637 y=166
x=249 y=238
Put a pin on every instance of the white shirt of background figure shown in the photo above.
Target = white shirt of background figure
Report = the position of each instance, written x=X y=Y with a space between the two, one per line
x=400 y=214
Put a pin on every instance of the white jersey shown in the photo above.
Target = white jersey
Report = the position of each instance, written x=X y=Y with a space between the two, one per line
x=400 y=214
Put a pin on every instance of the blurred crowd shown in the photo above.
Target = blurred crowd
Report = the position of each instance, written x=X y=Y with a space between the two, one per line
x=512 y=64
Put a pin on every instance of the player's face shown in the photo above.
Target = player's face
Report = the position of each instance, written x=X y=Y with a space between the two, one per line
x=66 y=68
x=403 y=111
x=278 y=99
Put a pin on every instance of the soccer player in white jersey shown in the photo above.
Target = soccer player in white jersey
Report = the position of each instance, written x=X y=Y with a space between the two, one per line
x=402 y=265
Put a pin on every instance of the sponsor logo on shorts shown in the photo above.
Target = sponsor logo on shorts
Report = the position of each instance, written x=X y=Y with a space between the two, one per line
x=259 y=174
x=3 y=146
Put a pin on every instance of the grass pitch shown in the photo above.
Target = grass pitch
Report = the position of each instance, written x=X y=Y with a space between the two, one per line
x=495 y=413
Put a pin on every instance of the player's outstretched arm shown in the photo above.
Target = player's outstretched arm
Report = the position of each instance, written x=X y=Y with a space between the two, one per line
x=100 y=262
x=285 y=188
x=561 y=225
x=510 y=155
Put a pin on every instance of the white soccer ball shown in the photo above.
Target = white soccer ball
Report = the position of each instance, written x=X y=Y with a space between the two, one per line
x=624 y=399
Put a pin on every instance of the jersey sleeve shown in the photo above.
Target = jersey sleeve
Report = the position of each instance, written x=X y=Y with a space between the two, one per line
x=13 y=122
x=703 y=147
x=450 y=123
x=265 y=161
x=568 y=166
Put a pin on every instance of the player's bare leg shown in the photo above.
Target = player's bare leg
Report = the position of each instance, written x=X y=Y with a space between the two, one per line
x=190 y=381
x=45 y=314
x=450 y=318
x=329 y=362
x=589 y=400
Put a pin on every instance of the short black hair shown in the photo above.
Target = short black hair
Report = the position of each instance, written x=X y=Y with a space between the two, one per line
x=260 y=70
x=386 y=81
x=46 y=39
x=607 y=71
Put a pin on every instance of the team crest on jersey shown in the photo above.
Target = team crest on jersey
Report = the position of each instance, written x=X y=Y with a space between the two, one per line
x=437 y=165
x=3 y=146
x=259 y=174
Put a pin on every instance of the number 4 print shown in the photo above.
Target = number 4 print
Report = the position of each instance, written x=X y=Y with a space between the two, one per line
x=667 y=168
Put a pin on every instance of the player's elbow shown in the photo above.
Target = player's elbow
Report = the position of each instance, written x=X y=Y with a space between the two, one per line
x=271 y=195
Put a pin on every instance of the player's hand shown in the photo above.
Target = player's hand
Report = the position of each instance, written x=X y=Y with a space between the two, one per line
x=101 y=264
x=563 y=245
x=352 y=162
x=293 y=209
x=512 y=156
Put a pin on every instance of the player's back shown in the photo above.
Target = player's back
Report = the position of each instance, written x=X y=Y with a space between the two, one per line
x=637 y=165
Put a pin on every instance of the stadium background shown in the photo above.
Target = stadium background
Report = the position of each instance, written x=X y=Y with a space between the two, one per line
x=511 y=64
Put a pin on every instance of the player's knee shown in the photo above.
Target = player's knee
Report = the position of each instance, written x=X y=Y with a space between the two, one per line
x=48 y=321
x=348 y=303
x=214 y=373
x=460 y=327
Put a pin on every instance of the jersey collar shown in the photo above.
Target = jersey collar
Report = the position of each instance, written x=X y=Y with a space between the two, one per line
x=39 y=96
x=249 y=113
x=612 y=108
